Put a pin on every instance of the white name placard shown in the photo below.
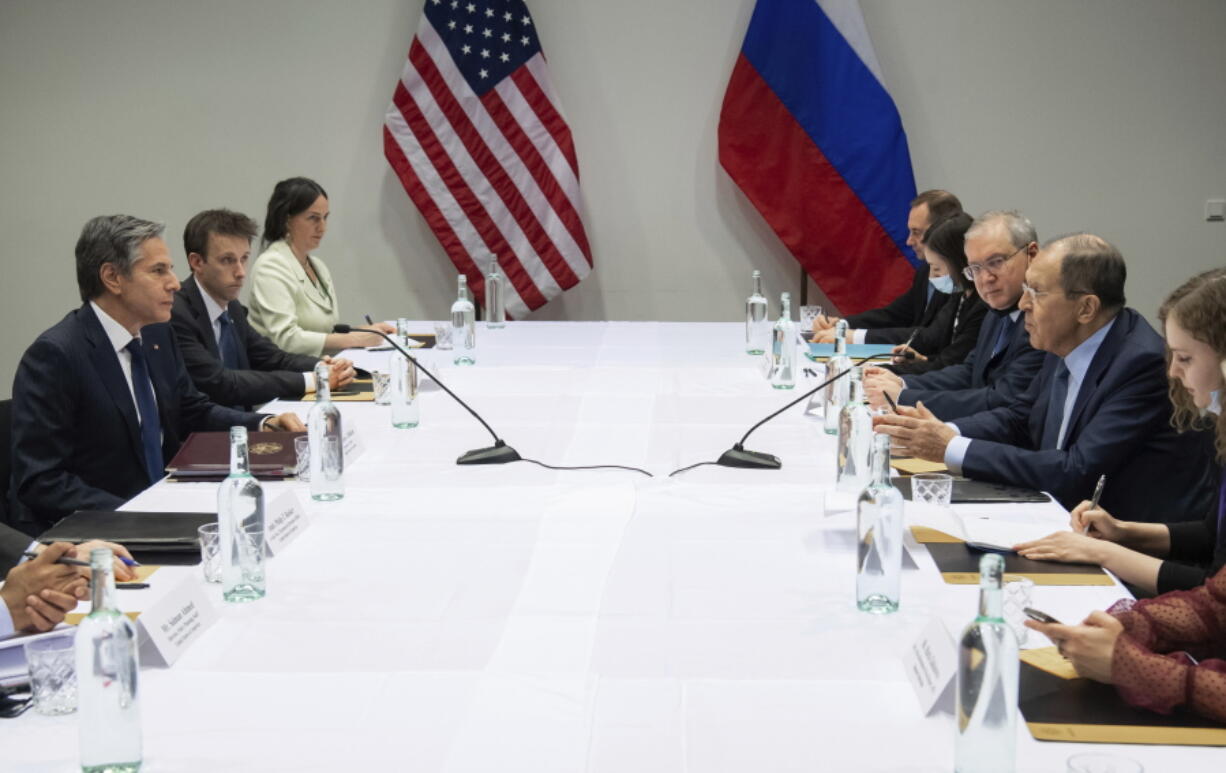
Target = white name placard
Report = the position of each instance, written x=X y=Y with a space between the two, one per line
x=284 y=519
x=176 y=620
x=352 y=444
x=931 y=663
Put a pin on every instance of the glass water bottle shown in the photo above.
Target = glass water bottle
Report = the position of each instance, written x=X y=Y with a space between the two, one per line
x=837 y=391
x=987 y=681
x=240 y=524
x=495 y=296
x=108 y=669
x=757 y=326
x=855 y=439
x=464 y=326
x=326 y=441
x=783 y=347
x=879 y=525
x=406 y=411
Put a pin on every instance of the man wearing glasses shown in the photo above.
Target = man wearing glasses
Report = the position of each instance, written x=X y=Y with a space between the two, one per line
x=999 y=248
x=1097 y=407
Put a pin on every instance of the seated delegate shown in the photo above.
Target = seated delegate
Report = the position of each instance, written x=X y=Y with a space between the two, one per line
x=293 y=300
x=951 y=336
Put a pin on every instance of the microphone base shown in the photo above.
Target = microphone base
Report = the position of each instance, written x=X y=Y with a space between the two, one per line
x=500 y=453
x=754 y=460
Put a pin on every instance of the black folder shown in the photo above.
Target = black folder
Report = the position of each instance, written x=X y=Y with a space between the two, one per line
x=977 y=491
x=137 y=531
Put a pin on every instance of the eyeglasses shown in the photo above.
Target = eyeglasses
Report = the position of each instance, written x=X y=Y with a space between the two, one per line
x=992 y=265
x=1035 y=295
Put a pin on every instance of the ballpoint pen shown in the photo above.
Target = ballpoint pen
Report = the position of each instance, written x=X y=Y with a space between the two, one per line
x=890 y=400
x=78 y=562
x=1098 y=492
x=369 y=321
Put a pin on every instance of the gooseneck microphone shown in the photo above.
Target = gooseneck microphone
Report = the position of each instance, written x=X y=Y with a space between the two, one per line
x=737 y=456
x=499 y=453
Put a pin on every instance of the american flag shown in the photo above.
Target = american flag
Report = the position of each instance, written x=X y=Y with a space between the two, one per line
x=476 y=134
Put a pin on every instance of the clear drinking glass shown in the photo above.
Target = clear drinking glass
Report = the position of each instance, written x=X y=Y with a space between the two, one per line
x=1019 y=594
x=381 y=382
x=302 y=458
x=932 y=488
x=809 y=313
x=53 y=674
x=442 y=336
x=210 y=552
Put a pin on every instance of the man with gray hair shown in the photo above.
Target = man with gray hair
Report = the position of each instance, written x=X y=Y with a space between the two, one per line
x=999 y=247
x=102 y=400
x=1097 y=407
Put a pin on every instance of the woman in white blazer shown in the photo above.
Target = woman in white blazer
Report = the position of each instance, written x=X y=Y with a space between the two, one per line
x=293 y=300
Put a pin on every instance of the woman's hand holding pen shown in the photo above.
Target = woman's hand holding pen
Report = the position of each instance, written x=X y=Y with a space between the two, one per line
x=1094 y=521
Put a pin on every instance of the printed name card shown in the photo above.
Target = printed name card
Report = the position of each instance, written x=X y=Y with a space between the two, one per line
x=284 y=519
x=177 y=620
x=931 y=663
x=352 y=444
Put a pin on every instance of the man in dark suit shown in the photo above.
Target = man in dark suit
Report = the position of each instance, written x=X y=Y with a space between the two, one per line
x=893 y=324
x=102 y=400
x=1097 y=407
x=225 y=357
x=999 y=247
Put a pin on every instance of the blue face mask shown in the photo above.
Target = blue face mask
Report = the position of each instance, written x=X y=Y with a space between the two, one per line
x=944 y=284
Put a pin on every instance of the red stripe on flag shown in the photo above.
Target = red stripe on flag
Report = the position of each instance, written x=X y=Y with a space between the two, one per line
x=488 y=163
x=799 y=193
x=468 y=201
x=539 y=169
x=549 y=117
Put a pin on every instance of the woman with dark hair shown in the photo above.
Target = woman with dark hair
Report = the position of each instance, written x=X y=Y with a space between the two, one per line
x=952 y=334
x=1161 y=557
x=293 y=301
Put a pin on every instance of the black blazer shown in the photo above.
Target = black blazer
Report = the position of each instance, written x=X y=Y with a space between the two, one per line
x=893 y=324
x=265 y=371
x=1120 y=426
x=76 y=438
x=950 y=337
x=1195 y=552
x=981 y=382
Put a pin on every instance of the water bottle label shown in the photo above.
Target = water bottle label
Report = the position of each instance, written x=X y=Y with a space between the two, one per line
x=176 y=620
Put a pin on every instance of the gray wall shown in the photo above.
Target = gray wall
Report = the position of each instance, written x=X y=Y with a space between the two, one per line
x=1098 y=114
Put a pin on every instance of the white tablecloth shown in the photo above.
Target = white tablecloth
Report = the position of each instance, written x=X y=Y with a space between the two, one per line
x=516 y=618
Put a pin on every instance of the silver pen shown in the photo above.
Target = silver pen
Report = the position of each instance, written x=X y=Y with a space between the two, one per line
x=1098 y=492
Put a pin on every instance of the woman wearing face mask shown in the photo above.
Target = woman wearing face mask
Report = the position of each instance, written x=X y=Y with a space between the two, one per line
x=951 y=335
x=293 y=300
x=1161 y=557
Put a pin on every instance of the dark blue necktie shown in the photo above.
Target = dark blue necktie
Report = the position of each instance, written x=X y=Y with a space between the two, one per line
x=1002 y=339
x=228 y=343
x=150 y=426
x=1055 y=408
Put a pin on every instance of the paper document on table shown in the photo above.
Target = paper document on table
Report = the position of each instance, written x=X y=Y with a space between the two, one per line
x=911 y=466
x=1002 y=531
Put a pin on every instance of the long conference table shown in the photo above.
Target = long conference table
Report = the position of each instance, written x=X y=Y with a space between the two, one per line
x=447 y=618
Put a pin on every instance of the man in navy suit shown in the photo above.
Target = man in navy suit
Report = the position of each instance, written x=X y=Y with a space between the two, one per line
x=1098 y=407
x=919 y=305
x=225 y=357
x=999 y=248
x=101 y=401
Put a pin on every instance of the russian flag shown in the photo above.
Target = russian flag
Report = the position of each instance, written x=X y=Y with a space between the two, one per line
x=810 y=134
